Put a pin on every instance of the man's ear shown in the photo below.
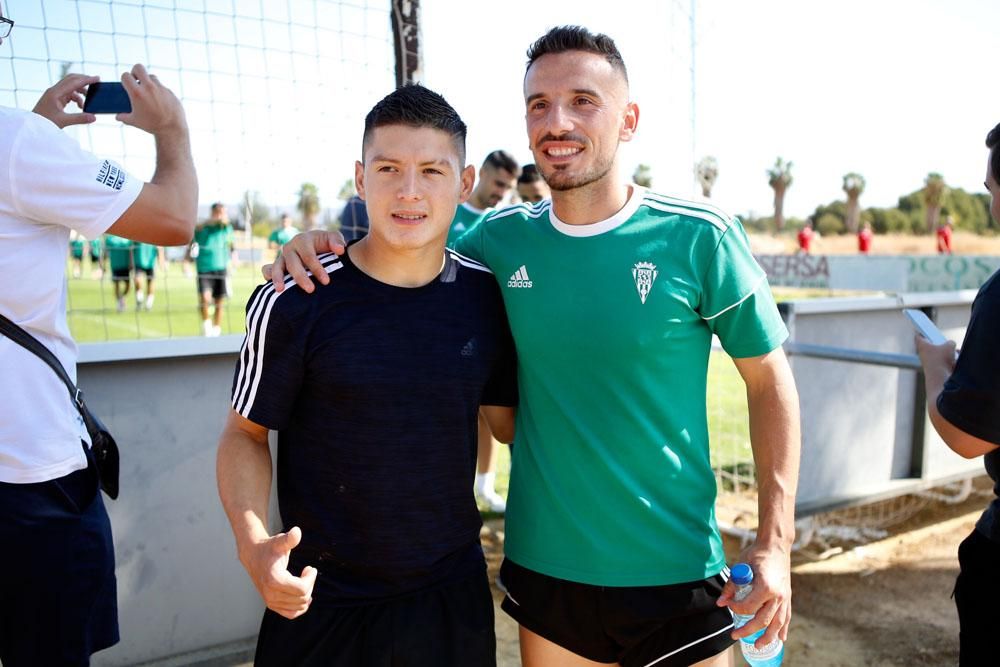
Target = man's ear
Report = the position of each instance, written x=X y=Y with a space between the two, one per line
x=468 y=178
x=630 y=122
x=359 y=178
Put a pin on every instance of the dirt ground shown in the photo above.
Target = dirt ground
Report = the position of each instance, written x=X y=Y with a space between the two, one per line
x=881 y=604
x=963 y=243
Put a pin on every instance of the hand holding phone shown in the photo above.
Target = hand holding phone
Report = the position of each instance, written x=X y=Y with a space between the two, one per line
x=924 y=326
x=107 y=97
x=70 y=89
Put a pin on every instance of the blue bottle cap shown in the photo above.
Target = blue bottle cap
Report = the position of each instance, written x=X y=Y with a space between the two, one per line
x=741 y=574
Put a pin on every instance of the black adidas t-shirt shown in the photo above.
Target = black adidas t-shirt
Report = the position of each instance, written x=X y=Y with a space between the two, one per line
x=374 y=391
x=971 y=396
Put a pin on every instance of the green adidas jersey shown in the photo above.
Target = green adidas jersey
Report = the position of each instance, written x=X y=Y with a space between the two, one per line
x=611 y=482
x=282 y=235
x=215 y=241
x=119 y=252
x=76 y=246
x=145 y=256
x=466 y=217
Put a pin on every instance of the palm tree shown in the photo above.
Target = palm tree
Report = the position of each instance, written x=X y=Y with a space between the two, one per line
x=643 y=175
x=308 y=205
x=854 y=185
x=779 y=177
x=934 y=192
x=707 y=171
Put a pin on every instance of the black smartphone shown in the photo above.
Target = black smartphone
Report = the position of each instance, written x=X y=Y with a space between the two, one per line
x=107 y=97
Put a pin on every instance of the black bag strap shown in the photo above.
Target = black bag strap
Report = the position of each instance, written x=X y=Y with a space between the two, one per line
x=31 y=344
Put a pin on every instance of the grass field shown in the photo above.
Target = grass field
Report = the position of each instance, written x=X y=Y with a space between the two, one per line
x=93 y=315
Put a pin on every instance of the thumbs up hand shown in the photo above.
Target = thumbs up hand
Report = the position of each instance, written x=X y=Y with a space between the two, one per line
x=267 y=563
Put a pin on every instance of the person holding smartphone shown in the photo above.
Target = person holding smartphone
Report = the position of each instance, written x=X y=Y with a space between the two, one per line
x=58 y=591
x=963 y=400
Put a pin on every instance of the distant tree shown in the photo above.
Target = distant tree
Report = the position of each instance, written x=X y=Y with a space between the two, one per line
x=643 y=176
x=886 y=220
x=830 y=224
x=347 y=190
x=308 y=205
x=933 y=194
x=779 y=177
x=707 y=171
x=984 y=203
x=968 y=210
x=854 y=185
x=255 y=213
x=836 y=207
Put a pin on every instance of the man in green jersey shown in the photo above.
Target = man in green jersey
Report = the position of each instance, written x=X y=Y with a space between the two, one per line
x=496 y=178
x=531 y=187
x=282 y=234
x=76 y=245
x=614 y=293
x=96 y=262
x=215 y=244
x=120 y=258
x=145 y=256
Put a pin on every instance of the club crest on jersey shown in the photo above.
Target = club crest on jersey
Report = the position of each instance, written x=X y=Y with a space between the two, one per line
x=644 y=274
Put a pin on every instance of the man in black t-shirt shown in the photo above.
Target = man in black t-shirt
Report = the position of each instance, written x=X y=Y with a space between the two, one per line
x=380 y=556
x=963 y=399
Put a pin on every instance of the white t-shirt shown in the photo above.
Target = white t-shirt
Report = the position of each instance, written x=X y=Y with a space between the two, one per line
x=48 y=185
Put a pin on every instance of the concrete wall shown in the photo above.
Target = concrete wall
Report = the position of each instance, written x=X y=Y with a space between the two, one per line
x=912 y=273
x=180 y=586
x=858 y=437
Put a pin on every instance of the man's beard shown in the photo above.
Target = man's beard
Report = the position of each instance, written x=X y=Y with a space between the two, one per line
x=559 y=180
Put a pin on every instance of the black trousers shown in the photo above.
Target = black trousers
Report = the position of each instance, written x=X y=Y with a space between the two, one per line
x=448 y=626
x=977 y=591
x=58 y=596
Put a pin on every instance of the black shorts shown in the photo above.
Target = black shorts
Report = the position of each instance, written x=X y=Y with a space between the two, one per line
x=976 y=592
x=121 y=274
x=215 y=282
x=58 y=599
x=634 y=626
x=150 y=272
x=449 y=626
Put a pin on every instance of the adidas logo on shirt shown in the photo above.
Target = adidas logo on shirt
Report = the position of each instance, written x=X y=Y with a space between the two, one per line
x=520 y=278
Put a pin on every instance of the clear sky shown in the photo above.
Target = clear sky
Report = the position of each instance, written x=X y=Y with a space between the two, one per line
x=892 y=89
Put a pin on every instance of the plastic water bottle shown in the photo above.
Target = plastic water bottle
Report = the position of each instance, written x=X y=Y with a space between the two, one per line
x=771 y=654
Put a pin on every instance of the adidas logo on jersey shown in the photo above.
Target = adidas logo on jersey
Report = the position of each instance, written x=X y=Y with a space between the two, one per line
x=469 y=350
x=520 y=278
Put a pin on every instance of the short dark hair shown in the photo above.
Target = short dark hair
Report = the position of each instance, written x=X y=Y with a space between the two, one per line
x=502 y=160
x=529 y=174
x=992 y=141
x=218 y=206
x=576 y=38
x=417 y=107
